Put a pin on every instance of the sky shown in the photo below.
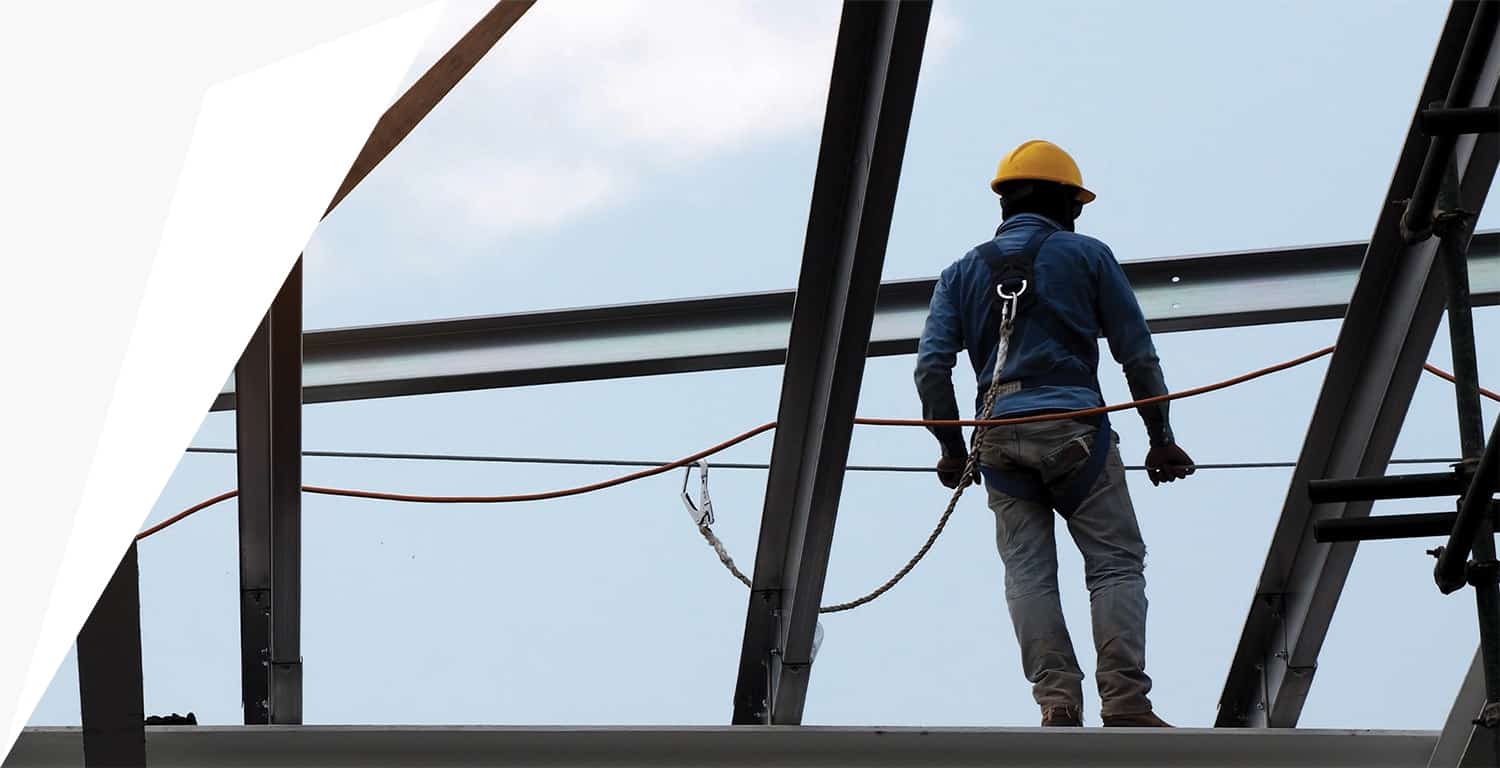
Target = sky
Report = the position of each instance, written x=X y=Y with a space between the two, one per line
x=610 y=152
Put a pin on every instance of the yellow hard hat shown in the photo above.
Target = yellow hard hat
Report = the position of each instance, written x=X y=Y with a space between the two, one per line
x=1041 y=161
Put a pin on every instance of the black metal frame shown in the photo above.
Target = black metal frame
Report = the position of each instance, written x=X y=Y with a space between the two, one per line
x=1444 y=171
x=873 y=85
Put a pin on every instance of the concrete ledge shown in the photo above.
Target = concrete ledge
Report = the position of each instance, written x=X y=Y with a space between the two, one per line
x=741 y=746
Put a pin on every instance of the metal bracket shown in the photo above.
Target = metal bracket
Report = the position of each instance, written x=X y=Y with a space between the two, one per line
x=1482 y=572
x=1489 y=717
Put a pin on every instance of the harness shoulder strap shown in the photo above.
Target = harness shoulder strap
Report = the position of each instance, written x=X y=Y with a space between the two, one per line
x=1002 y=264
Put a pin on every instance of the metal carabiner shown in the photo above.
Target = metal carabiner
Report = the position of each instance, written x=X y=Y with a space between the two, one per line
x=1010 y=303
x=703 y=515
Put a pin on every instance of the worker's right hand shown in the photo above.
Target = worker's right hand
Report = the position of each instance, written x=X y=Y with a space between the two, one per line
x=1165 y=463
x=950 y=470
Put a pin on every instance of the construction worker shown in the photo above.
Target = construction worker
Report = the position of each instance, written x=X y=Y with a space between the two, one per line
x=1070 y=290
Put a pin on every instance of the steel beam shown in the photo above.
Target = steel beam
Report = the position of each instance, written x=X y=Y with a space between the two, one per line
x=876 y=60
x=1386 y=335
x=1184 y=293
x=268 y=435
x=403 y=116
x=110 y=688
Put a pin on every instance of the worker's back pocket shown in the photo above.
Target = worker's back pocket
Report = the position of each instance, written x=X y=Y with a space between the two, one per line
x=1058 y=464
x=1062 y=447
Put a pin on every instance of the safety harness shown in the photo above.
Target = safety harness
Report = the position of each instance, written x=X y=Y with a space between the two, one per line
x=1018 y=308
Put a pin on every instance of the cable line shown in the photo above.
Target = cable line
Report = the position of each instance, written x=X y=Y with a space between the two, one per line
x=586 y=462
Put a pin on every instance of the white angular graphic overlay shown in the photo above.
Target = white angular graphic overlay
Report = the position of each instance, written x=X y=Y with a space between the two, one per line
x=268 y=149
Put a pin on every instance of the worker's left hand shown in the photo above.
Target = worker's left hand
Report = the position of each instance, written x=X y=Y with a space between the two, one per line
x=950 y=469
x=1165 y=463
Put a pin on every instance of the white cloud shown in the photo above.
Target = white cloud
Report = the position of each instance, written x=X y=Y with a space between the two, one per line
x=582 y=101
x=690 y=78
x=522 y=197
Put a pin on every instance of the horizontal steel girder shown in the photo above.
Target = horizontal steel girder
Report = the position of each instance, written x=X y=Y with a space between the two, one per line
x=715 y=333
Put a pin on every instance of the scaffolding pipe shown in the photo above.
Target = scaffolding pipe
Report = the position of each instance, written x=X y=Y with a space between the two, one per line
x=1383 y=527
x=1414 y=486
x=1416 y=224
x=1451 y=572
x=1441 y=121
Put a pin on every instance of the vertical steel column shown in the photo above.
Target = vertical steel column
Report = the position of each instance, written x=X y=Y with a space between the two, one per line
x=252 y=436
x=268 y=433
x=1453 y=248
x=110 y=689
x=876 y=61
x=1387 y=332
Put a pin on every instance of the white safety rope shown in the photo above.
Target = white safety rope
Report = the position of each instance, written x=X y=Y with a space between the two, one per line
x=703 y=515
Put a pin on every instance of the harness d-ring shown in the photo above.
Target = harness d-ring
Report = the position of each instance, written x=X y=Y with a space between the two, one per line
x=1000 y=289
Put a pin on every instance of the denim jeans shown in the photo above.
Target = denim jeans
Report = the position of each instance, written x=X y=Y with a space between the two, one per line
x=1105 y=530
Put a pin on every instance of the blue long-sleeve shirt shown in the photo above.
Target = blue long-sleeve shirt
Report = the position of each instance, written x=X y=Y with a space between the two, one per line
x=1080 y=281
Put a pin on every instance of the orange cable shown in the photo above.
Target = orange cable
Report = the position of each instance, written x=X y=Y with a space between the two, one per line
x=621 y=480
x=1442 y=374
x=599 y=486
x=742 y=437
x=1309 y=357
x=205 y=504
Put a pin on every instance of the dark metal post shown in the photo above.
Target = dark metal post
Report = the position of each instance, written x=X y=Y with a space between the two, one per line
x=1455 y=228
x=110 y=689
x=286 y=501
x=252 y=382
x=268 y=381
x=875 y=64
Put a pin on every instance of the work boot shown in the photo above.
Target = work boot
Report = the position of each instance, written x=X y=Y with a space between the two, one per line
x=1054 y=715
x=1147 y=719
